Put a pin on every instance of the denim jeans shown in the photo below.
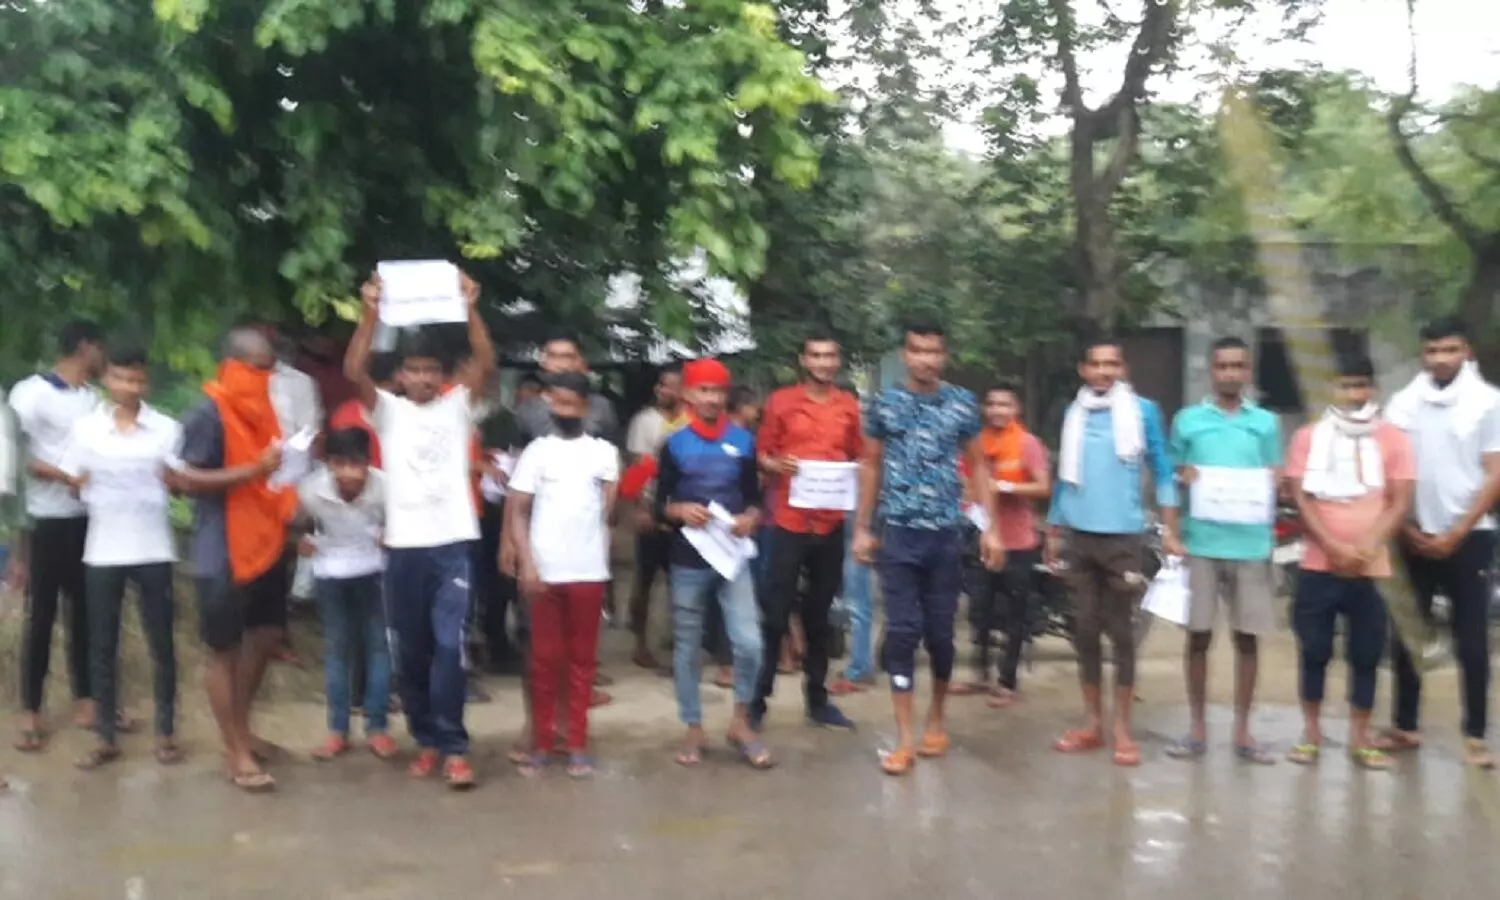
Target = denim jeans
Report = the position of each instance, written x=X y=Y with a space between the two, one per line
x=428 y=599
x=692 y=590
x=353 y=615
x=856 y=593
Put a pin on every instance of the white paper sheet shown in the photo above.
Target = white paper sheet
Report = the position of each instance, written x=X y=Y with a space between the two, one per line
x=978 y=515
x=296 y=459
x=493 y=490
x=124 y=485
x=1234 y=496
x=420 y=292
x=824 y=485
x=717 y=544
x=351 y=557
x=1168 y=596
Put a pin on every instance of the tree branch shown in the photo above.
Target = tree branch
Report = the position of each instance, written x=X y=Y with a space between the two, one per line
x=1152 y=45
x=1437 y=197
x=1065 y=33
x=1128 y=132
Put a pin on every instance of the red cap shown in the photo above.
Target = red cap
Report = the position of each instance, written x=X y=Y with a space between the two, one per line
x=705 y=373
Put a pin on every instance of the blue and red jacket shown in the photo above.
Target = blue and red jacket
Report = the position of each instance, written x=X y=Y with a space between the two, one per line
x=697 y=468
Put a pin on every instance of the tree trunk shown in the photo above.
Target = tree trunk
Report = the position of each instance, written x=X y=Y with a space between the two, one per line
x=1477 y=303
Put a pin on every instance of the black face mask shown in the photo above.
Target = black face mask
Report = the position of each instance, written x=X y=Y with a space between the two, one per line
x=568 y=426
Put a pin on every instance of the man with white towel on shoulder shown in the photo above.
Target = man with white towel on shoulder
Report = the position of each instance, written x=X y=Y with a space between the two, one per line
x=1452 y=417
x=1097 y=531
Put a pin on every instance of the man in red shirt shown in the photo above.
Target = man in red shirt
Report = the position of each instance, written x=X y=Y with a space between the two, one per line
x=811 y=421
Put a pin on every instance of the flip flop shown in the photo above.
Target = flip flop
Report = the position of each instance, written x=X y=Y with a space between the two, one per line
x=600 y=698
x=331 y=749
x=1255 y=754
x=1127 y=755
x=1187 y=748
x=898 y=762
x=690 y=756
x=1477 y=754
x=97 y=758
x=1002 y=698
x=580 y=765
x=754 y=753
x=967 y=688
x=169 y=753
x=32 y=740
x=1371 y=758
x=1079 y=741
x=1304 y=754
x=1393 y=741
x=257 y=782
x=533 y=765
x=934 y=744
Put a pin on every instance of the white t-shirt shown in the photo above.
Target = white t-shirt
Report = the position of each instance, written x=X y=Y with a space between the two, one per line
x=346 y=533
x=294 y=396
x=130 y=522
x=429 y=500
x=566 y=478
x=649 y=430
x=46 y=409
x=1450 y=472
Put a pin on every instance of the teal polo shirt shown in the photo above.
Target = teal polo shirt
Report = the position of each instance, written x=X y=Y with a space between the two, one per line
x=1250 y=438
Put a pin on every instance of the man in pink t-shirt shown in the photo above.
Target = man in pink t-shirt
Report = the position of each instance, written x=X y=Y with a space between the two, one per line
x=1352 y=474
x=1022 y=476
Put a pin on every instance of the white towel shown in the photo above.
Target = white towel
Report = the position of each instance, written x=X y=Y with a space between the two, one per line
x=1468 y=393
x=1125 y=414
x=1344 y=461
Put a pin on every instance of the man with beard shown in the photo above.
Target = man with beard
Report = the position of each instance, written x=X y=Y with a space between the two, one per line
x=1227 y=437
x=914 y=433
x=1452 y=416
x=811 y=421
x=1351 y=473
x=46 y=407
x=1109 y=434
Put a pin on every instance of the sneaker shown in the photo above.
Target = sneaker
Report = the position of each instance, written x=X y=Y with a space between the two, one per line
x=829 y=716
x=458 y=773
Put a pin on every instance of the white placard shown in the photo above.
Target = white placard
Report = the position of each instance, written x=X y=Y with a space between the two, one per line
x=493 y=490
x=824 y=485
x=420 y=292
x=1168 y=597
x=724 y=552
x=296 y=459
x=1234 y=496
x=977 y=514
x=124 y=485
x=349 y=557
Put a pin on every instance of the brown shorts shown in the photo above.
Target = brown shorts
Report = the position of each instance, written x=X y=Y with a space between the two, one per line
x=1104 y=574
x=1243 y=586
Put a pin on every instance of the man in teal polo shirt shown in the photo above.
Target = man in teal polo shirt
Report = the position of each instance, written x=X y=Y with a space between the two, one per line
x=1227 y=450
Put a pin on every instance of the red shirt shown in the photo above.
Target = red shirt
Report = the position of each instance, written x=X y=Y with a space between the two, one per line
x=351 y=414
x=796 y=425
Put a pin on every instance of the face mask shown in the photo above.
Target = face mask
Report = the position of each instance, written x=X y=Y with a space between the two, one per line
x=568 y=426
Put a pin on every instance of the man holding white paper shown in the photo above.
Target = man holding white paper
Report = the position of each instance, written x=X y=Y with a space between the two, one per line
x=1227 y=450
x=810 y=441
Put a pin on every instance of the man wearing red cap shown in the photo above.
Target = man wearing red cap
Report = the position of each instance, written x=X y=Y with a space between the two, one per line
x=707 y=477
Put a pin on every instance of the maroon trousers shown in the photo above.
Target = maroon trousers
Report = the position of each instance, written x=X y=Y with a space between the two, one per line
x=564 y=645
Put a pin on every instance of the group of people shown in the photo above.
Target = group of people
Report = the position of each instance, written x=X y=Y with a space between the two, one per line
x=398 y=538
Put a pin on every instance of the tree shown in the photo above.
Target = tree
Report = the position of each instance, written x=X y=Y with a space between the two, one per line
x=175 y=164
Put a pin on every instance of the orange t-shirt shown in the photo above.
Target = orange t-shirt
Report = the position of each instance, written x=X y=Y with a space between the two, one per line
x=794 y=424
x=1350 y=520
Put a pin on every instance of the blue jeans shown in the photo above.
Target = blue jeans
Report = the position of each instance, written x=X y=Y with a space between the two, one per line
x=856 y=593
x=692 y=591
x=353 y=616
x=427 y=594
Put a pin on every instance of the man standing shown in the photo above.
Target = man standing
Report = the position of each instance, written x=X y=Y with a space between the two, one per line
x=431 y=521
x=1452 y=416
x=811 y=421
x=1109 y=436
x=649 y=429
x=709 y=467
x=299 y=408
x=914 y=433
x=1219 y=443
x=1022 y=476
x=1351 y=473
x=46 y=406
x=231 y=444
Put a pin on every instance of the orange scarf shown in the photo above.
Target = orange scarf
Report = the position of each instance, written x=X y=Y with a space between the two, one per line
x=1002 y=447
x=255 y=516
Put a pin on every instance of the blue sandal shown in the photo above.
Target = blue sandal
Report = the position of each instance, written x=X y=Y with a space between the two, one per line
x=754 y=753
x=1188 y=748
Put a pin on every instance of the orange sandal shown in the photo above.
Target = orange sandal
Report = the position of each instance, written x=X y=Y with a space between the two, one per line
x=898 y=762
x=424 y=765
x=1127 y=755
x=382 y=745
x=458 y=774
x=335 y=746
x=1079 y=741
x=934 y=744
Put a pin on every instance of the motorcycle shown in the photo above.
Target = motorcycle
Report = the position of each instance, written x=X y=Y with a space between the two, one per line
x=1286 y=552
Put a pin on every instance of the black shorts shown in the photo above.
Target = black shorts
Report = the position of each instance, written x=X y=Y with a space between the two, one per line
x=227 y=610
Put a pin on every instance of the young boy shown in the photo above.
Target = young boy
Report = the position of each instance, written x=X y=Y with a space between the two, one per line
x=345 y=504
x=430 y=522
x=1353 y=475
x=561 y=497
x=116 y=459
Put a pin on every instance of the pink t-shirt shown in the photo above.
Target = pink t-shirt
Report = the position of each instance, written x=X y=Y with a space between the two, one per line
x=1017 y=514
x=1351 y=520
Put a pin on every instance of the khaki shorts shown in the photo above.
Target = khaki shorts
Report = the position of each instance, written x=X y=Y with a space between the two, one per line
x=1243 y=586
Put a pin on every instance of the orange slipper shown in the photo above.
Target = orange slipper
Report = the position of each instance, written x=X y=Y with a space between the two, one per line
x=424 y=765
x=934 y=744
x=335 y=746
x=898 y=762
x=1079 y=741
x=1127 y=755
x=458 y=774
x=382 y=745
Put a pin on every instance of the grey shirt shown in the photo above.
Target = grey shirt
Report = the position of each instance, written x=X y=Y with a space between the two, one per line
x=535 y=420
x=203 y=448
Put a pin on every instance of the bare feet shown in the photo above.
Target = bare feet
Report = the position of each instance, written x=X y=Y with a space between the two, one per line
x=83 y=713
x=724 y=677
x=1477 y=754
x=1395 y=741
